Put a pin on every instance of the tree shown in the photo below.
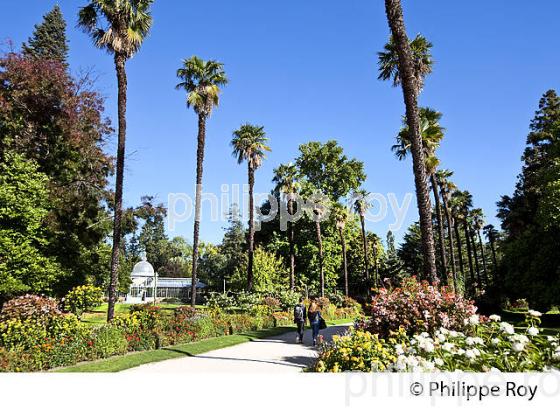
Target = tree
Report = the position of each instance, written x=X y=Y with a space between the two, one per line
x=446 y=187
x=478 y=223
x=389 y=61
x=491 y=234
x=410 y=250
x=286 y=181
x=25 y=265
x=49 y=38
x=249 y=144
x=119 y=27
x=409 y=79
x=529 y=266
x=360 y=206
x=341 y=216
x=432 y=134
x=202 y=81
x=326 y=170
x=152 y=238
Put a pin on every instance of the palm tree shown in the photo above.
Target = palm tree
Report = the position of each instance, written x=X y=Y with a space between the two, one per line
x=119 y=27
x=445 y=189
x=249 y=144
x=389 y=61
x=361 y=205
x=432 y=134
x=409 y=79
x=286 y=178
x=202 y=81
x=492 y=235
x=341 y=216
x=478 y=223
x=462 y=201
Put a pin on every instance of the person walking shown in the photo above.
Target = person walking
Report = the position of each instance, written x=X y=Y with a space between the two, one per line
x=299 y=319
x=314 y=316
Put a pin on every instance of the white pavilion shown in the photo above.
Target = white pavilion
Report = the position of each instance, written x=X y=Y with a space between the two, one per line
x=146 y=283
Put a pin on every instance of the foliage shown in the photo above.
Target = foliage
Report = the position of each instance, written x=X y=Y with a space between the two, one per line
x=417 y=307
x=25 y=264
x=49 y=38
x=269 y=273
x=530 y=264
x=30 y=307
x=480 y=347
x=83 y=298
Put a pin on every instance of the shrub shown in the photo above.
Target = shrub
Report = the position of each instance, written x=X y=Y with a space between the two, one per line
x=106 y=341
x=482 y=347
x=30 y=307
x=272 y=303
x=83 y=298
x=218 y=300
x=246 y=301
x=417 y=307
x=288 y=299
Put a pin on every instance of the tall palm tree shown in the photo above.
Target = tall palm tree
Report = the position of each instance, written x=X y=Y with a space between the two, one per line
x=202 y=81
x=462 y=201
x=360 y=206
x=286 y=178
x=445 y=189
x=119 y=27
x=341 y=217
x=478 y=223
x=409 y=79
x=492 y=235
x=389 y=61
x=432 y=134
x=249 y=144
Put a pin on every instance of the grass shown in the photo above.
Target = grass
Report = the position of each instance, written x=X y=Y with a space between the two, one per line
x=98 y=315
x=119 y=363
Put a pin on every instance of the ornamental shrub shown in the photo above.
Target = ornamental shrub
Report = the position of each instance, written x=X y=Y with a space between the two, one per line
x=417 y=307
x=30 y=307
x=106 y=341
x=83 y=298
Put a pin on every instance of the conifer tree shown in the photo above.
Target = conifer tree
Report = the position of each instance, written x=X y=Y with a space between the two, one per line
x=49 y=38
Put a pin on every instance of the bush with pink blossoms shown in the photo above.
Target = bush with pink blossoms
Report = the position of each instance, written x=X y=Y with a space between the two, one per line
x=417 y=307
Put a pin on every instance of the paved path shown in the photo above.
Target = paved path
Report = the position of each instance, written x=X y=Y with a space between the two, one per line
x=276 y=354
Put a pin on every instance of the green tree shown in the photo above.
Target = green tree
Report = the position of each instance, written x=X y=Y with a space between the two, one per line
x=119 y=27
x=24 y=262
x=326 y=170
x=49 y=38
x=409 y=78
x=361 y=205
x=341 y=217
x=269 y=276
x=201 y=80
x=287 y=184
x=152 y=238
x=249 y=144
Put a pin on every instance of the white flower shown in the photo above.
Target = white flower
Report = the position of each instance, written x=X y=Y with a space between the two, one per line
x=494 y=370
x=425 y=335
x=474 y=320
x=448 y=347
x=441 y=337
x=438 y=361
x=519 y=338
x=507 y=328
x=556 y=356
x=460 y=352
x=399 y=350
x=495 y=318
x=533 y=331
x=495 y=341
x=453 y=333
x=470 y=341
x=476 y=352
x=534 y=313
x=518 y=346
x=443 y=331
x=470 y=354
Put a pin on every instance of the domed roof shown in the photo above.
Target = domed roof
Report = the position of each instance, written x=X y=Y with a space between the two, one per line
x=143 y=268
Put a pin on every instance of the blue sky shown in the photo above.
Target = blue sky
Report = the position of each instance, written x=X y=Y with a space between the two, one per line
x=306 y=70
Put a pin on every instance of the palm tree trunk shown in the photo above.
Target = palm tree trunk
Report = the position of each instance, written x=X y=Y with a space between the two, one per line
x=365 y=245
x=119 y=183
x=344 y=261
x=376 y=278
x=475 y=257
x=494 y=259
x=409 y=86
x=459 y=249
x=469 y=254
x=483 y=256
x=321 y=270
x=291 y=239
x=251 y=238
x=451 y=241
x=433 y=180
x=197 y=208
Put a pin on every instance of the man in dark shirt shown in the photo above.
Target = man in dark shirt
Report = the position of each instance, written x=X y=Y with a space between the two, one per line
x=299 y=319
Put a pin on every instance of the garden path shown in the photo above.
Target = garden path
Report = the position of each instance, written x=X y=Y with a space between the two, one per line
x=278 y=354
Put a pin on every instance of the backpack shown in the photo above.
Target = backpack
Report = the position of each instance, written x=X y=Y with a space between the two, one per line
x=298 y=313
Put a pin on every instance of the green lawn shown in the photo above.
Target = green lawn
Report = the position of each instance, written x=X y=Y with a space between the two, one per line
x=119 y=363
x=98 y=316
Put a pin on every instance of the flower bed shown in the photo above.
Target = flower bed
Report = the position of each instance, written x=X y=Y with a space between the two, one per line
x=482 y=347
